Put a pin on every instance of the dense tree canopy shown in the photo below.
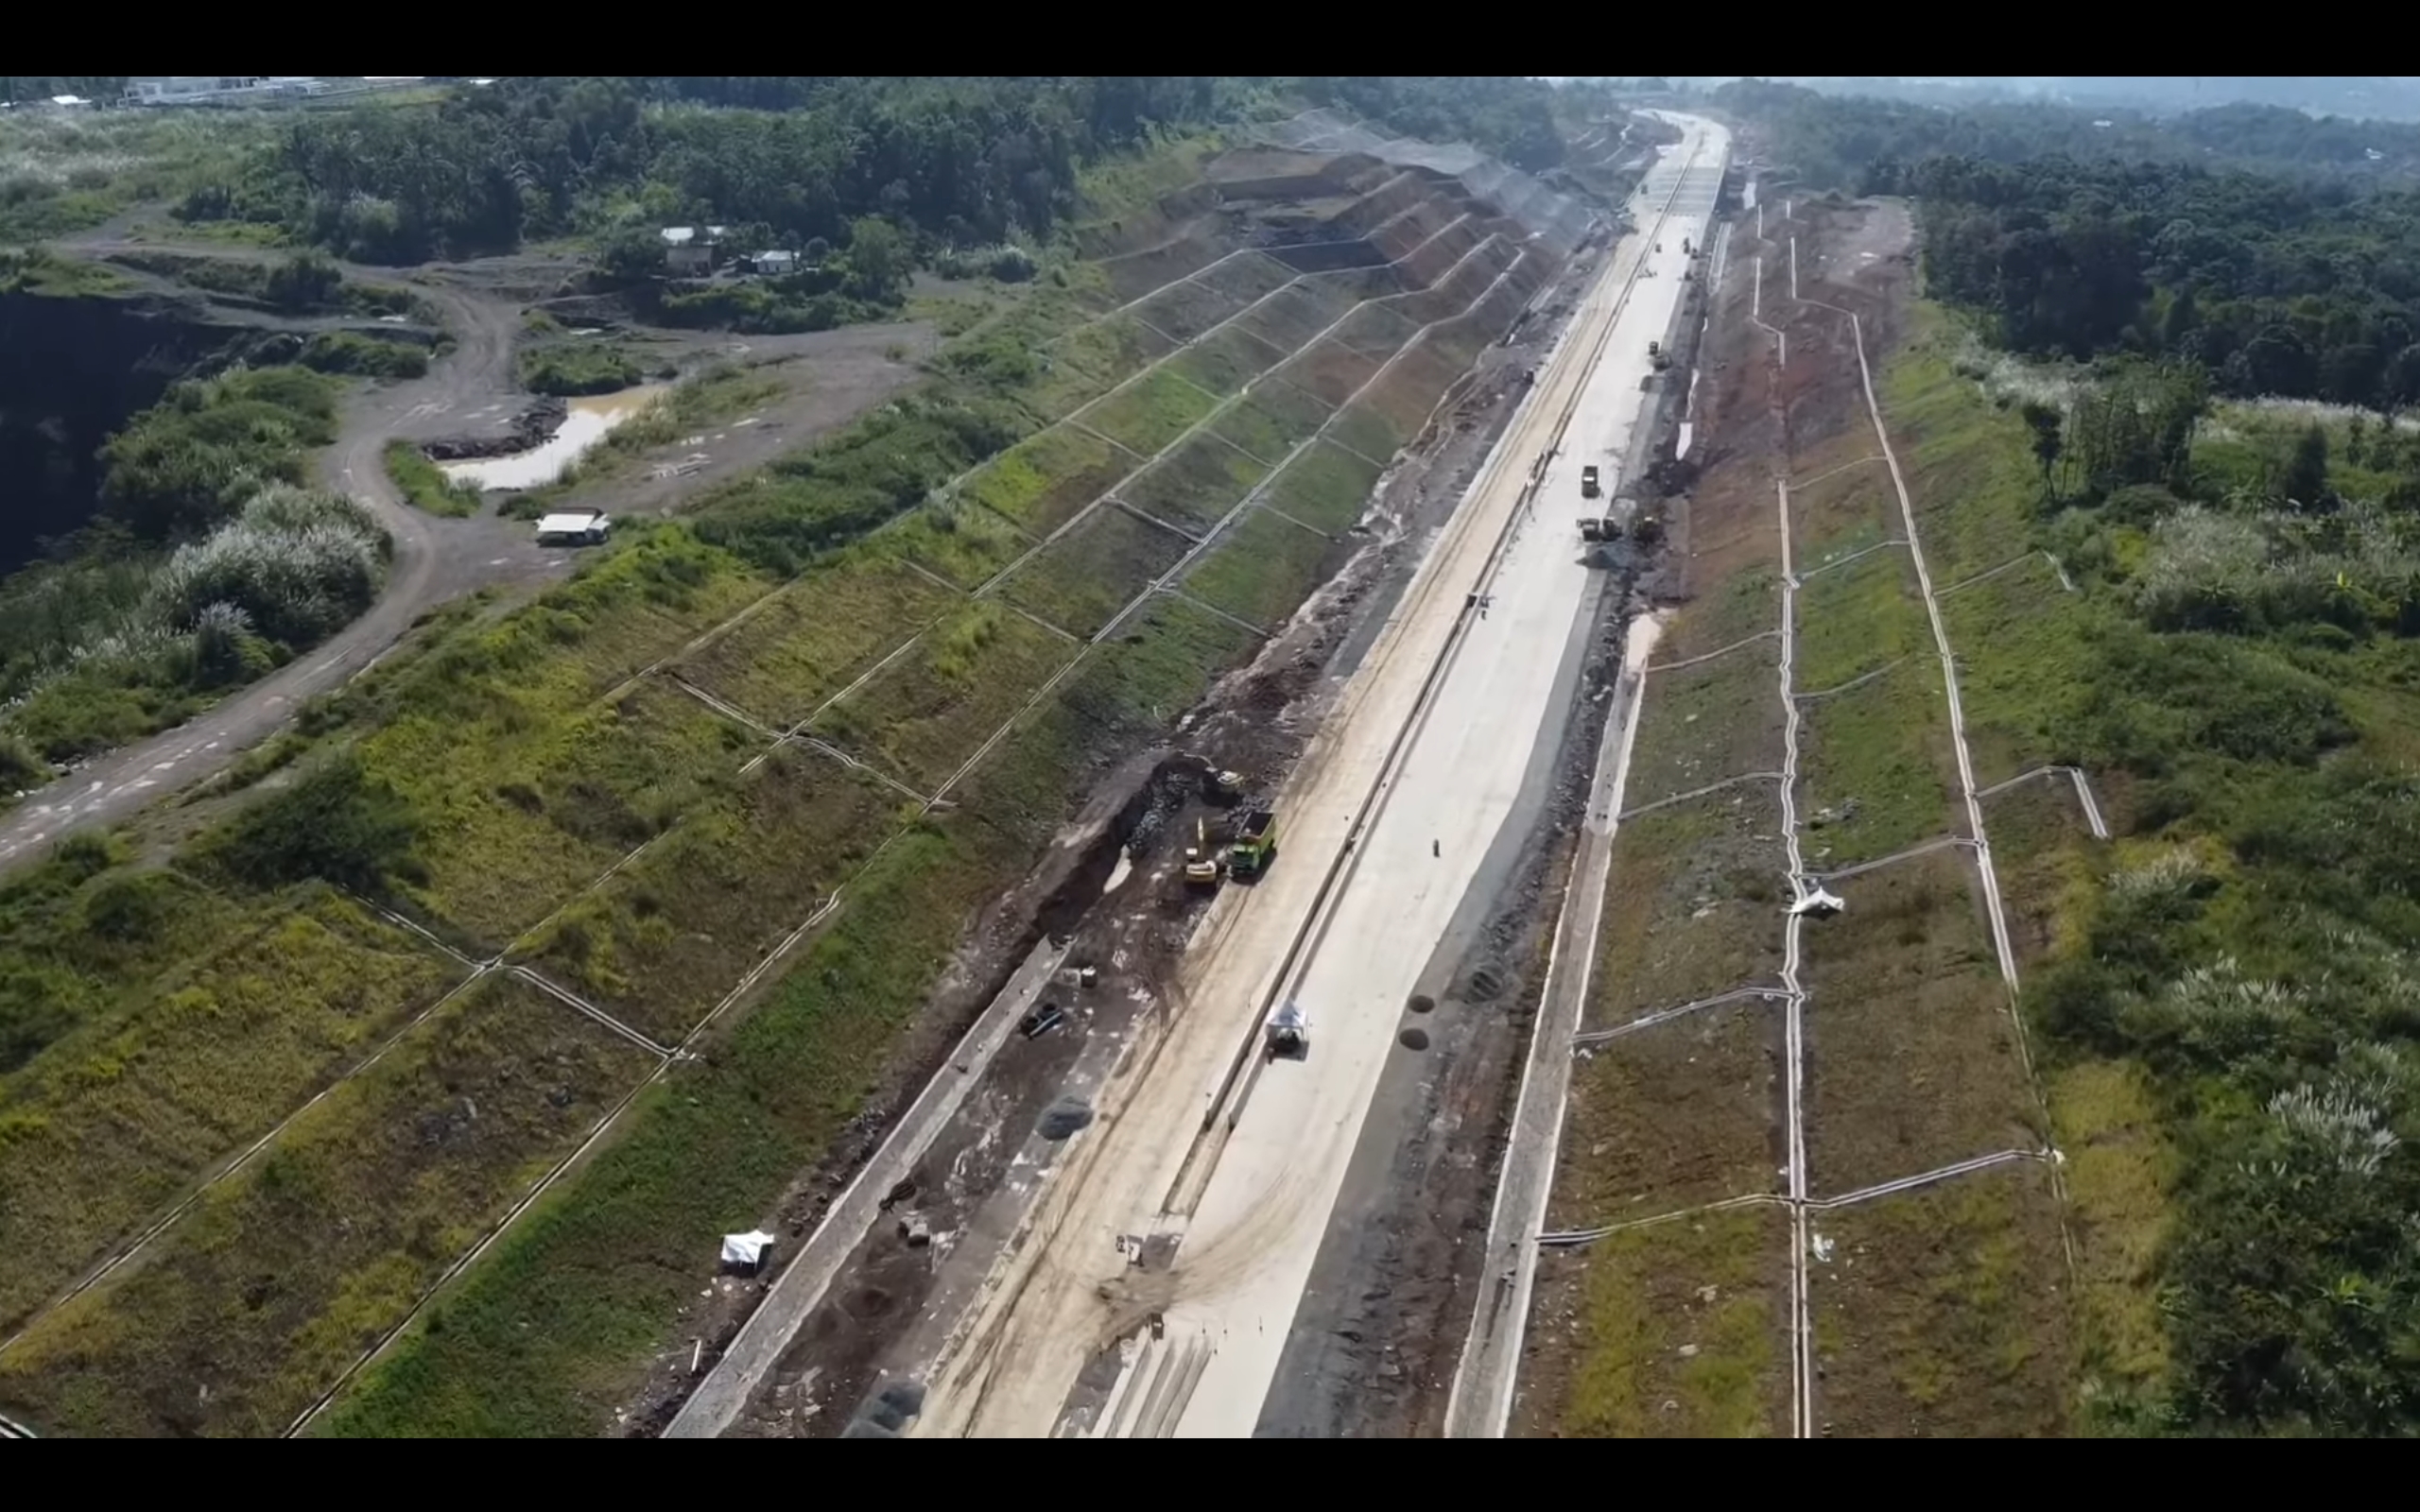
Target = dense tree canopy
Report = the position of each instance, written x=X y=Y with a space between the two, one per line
x=965 y=160
x=1509 y=117
x=87 y=86
x=957 y=158
x=1833 y=140
x=2297 y=284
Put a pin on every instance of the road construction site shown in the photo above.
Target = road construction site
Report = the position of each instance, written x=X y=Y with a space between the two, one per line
x=843 y=769
x=1162 y=1256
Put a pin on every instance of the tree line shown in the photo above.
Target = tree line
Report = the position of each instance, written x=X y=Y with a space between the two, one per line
x=90 y=87
x=1832 y=139
x=963 y=160
x=2278 y=282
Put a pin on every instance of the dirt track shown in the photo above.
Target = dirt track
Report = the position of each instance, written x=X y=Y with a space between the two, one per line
x=470 y=393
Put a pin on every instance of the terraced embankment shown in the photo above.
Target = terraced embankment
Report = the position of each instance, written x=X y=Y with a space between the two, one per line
x=1807 y=1181
x=691 y=840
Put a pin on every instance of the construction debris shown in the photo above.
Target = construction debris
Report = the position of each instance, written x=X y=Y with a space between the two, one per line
x=745 y=1254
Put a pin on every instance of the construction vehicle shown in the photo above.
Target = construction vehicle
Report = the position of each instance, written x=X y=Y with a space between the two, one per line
x=1685 y=248
x=1597 y=527
x=1658 y=357
x=1256 y=845
x=1589 y=488
x=1288 y=1032
x=1201 y=862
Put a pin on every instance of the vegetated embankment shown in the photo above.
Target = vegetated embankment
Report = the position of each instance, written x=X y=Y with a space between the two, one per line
x=611 y=900
x=1944 y=1308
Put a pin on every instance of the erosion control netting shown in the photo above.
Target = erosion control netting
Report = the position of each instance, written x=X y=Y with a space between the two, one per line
x=1562 y=221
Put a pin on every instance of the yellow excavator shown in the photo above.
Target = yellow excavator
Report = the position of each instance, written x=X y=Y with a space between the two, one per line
x=1200 y=861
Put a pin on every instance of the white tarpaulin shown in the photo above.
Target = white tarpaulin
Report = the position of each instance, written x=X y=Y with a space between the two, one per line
x=1817 y=902
x=745 y=1249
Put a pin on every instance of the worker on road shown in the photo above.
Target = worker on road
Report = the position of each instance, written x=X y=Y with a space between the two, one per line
x=1436 y=848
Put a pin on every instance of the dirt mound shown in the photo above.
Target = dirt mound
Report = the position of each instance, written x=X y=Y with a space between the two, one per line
x=529 y=428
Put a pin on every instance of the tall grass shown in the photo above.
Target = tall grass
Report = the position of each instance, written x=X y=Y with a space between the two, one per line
x=426 y=485
x=299 y=562
x=292 y=567
x=64 y=172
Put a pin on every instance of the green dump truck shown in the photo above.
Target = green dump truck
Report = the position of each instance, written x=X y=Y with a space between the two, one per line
x=1256 y=845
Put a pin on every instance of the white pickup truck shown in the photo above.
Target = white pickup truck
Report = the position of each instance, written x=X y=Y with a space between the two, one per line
x=574 y=527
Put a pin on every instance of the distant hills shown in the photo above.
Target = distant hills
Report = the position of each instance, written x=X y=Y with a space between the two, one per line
x=2372 y=98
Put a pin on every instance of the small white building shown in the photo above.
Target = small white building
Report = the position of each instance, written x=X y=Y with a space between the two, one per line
x=774 y=264
x=691 y=250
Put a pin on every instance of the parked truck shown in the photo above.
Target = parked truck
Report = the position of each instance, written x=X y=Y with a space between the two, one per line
x=1589 y=488
x=1256 y=845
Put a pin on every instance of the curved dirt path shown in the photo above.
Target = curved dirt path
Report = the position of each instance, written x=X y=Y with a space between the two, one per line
x=471 y=392
x=471 y=389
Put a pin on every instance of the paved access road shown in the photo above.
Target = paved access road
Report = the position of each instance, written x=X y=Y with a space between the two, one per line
x=1384 y=831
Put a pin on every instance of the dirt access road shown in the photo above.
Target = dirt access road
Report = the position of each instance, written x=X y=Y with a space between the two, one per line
x=470 y=393
x=1240 y=1159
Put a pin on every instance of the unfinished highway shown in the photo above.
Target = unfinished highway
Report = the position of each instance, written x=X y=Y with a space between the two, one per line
x=1237 y=1160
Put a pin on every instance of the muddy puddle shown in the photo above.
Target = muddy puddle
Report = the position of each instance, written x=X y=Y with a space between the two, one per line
x=586 y=420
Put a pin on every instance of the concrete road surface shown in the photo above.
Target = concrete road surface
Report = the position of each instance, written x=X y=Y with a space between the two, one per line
x=1418 y=770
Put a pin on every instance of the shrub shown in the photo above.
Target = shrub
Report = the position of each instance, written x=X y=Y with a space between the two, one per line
x=20 y=766
x=426 y=485
x=226 y=648
x=335 y=824
x=777 y=307
x=308 y=281
x=298 y=563
x=577 y=369
x=2162 y=699
x=191 y=460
